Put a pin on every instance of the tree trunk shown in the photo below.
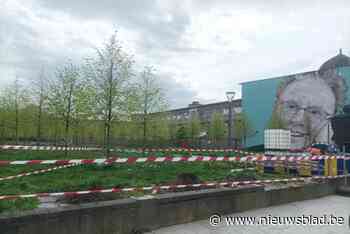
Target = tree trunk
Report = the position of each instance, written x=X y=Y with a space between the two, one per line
x=55 y=132
x=108 y=136
x=145 y=110
x=38 y=138
x=67 y=119
x=109 y=108
x=144 y=131
x=2 y=131
x=66 y=132
x=16 y=121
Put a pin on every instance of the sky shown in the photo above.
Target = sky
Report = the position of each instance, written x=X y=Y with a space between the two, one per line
x=200 y=48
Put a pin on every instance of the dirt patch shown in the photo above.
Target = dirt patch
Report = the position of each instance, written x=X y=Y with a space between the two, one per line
x=187 y=178
x=240 y=177
x=92 y=197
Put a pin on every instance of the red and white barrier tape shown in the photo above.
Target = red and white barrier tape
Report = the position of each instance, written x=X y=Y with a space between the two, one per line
x=37 y=172
x=53 y=148
x=166 y=187
x=185 y=150
x=60 y=148
x=131 y=160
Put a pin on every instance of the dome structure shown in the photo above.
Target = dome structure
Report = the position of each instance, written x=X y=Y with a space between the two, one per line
x=339 y=60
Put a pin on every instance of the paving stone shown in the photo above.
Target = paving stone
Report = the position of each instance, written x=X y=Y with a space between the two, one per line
x=338 y=206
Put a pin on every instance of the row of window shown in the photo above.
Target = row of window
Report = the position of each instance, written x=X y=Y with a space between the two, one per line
x=202 y=115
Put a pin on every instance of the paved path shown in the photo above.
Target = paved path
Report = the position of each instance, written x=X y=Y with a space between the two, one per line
x=337 y=205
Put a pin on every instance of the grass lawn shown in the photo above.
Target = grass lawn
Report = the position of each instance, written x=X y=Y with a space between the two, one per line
x=84 y=177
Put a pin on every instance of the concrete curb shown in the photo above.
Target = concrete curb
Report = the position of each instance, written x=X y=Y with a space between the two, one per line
x=152 y=212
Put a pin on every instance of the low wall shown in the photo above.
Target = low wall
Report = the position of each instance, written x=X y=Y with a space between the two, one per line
x=152 y=212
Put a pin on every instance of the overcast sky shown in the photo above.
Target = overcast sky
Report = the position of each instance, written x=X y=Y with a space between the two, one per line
x=200 y=48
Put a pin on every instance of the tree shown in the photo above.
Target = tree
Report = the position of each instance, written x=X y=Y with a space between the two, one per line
x=217 y=128
x=181 y=134
x=158 y=129
x=14 y=98
x=110 y=72
x=83 y=108
x=39 y=95
x=151 y=98
x=276 y=121
x=242 y=127
x=64 y=95
x=194 y=127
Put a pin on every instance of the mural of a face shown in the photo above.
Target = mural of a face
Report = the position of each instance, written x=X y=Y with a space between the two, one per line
x=305 y=104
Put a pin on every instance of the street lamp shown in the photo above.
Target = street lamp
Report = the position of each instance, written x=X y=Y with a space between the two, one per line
x=230 y=96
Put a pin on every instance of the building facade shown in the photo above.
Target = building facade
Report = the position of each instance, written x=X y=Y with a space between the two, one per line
x=204 y=111
x=303 y=102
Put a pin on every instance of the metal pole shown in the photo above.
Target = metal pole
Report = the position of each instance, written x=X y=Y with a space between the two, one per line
x=230 y=96
x=229 y=138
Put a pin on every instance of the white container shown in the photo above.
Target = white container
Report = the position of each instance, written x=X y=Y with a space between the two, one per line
x=277 y=139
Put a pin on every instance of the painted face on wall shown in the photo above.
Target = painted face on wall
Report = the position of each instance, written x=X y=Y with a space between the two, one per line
x=305 y=105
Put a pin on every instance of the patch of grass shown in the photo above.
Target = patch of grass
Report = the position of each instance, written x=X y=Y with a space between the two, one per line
x=42 y=155
x=84 y=177
x=97 y=176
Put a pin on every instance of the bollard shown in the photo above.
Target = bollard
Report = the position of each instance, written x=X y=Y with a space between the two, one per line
x=340 y=166
x=332 y=171
x=304 y=168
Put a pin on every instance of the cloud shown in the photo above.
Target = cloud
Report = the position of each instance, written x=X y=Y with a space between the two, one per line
x=158 y=23
x=201 y=48
x=46 y=35
x=178 y=94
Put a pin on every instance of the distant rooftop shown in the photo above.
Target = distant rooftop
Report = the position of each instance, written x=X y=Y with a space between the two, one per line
x=196 y=104
x=340 y=60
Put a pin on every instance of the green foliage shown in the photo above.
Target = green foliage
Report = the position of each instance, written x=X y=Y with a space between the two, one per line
x=181 y=133
x=194 y=127
x=160 y=128
x=151 y=99
x=110 y=73
x=14 y=98
x=68 y=97
x=150 y=96
x=217 y=128
x=242 y=127
x=276 y=121
x=79 y=104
